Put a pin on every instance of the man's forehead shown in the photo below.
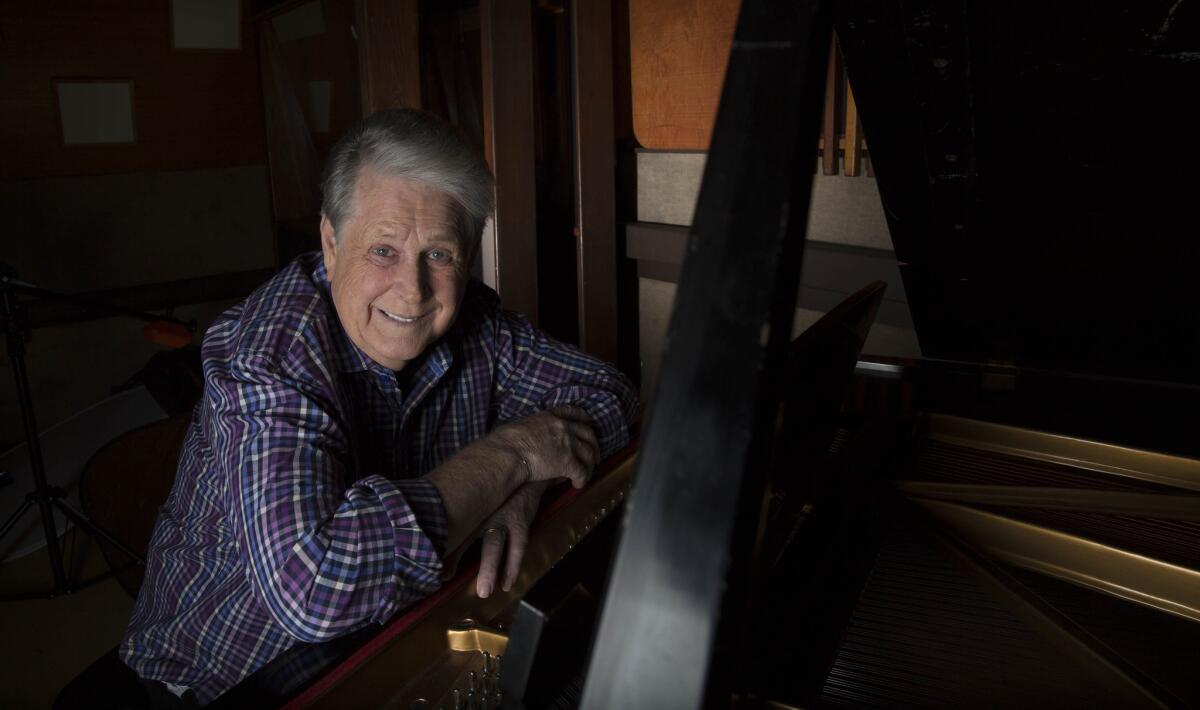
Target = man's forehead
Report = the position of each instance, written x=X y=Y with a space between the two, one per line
x=379 y=194
x=374 y=184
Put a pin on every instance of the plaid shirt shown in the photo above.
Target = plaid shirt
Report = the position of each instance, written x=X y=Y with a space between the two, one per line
x=298 y=512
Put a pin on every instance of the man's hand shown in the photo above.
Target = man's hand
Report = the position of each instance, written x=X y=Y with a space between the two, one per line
x=559 y=443
x=505 y=536
x=542 y=447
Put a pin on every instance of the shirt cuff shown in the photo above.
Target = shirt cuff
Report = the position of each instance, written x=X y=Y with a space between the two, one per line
x=418 y=519
x=426 y=504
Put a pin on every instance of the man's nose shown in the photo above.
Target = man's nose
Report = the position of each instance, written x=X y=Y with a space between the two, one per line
x=411 y=279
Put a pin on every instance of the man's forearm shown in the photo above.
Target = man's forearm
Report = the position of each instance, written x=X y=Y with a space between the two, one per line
x=474 y=483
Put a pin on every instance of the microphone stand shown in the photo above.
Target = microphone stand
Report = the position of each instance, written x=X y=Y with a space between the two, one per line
x=14 y=317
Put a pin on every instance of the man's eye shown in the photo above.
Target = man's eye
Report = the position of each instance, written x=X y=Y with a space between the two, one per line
x=438 y=255
x=381 y=251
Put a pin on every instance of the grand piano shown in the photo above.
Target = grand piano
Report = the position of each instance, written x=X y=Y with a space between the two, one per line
x=1011 y=520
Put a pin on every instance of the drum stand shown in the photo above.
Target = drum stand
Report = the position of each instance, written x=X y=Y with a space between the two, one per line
x=15 y=321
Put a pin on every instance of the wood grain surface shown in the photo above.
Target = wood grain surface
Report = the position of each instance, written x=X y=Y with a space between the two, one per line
x=679 y=50
x=506 y=53
x=387 y=55
x=595 y=182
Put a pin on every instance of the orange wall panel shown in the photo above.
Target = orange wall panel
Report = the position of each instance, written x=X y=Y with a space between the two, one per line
x=679 y=49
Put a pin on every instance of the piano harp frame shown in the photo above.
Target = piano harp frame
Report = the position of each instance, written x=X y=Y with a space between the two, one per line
x=1107 y=568
x=1123 y=683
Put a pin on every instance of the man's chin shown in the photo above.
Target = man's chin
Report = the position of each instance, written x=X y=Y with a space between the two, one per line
x=395 y=358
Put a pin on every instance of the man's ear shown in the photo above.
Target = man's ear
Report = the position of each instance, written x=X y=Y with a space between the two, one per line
x=328 y=244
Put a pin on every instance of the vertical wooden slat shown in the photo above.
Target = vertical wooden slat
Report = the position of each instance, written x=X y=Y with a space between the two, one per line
x=510 y=244
x=388 y=54
x=595 y=166
x=850 y=159
x=829 y=132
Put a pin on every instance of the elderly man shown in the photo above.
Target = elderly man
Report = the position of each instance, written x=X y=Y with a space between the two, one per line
x=366 y=412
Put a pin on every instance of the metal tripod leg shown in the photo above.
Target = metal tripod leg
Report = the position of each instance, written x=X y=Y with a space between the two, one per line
x=52 y=548
x=92 y=529
x=12 y=519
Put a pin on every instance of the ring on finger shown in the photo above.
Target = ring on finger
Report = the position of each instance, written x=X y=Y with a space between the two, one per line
x=490 y=531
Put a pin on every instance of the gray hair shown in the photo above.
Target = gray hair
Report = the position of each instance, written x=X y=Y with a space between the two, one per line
x=417 y=146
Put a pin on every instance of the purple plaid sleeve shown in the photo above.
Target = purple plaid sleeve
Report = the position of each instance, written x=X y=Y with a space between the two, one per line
x=327 y=553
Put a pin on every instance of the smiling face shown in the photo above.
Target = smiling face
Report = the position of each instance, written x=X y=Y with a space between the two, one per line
x=397 y=267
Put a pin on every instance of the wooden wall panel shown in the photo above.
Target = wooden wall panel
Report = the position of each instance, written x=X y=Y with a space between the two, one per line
x=679 y=50
x=388 y=54
x=506 y=39
x=595 y=177
x=192 y=109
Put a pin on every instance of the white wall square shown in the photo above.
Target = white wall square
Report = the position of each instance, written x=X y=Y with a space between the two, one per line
x=206 y=24
x=96 y=111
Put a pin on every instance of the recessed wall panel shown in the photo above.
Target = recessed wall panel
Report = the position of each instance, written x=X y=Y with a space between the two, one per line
x=96 y=112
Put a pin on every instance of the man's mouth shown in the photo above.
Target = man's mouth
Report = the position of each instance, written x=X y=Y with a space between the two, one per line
x=401 y=319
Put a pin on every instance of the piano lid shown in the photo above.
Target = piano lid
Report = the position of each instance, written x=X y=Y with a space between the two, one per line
x=1036 y=163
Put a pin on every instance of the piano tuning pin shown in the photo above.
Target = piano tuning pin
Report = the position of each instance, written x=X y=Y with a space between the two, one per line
x=457 y=695
x=471 y=682
x=470 y=700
